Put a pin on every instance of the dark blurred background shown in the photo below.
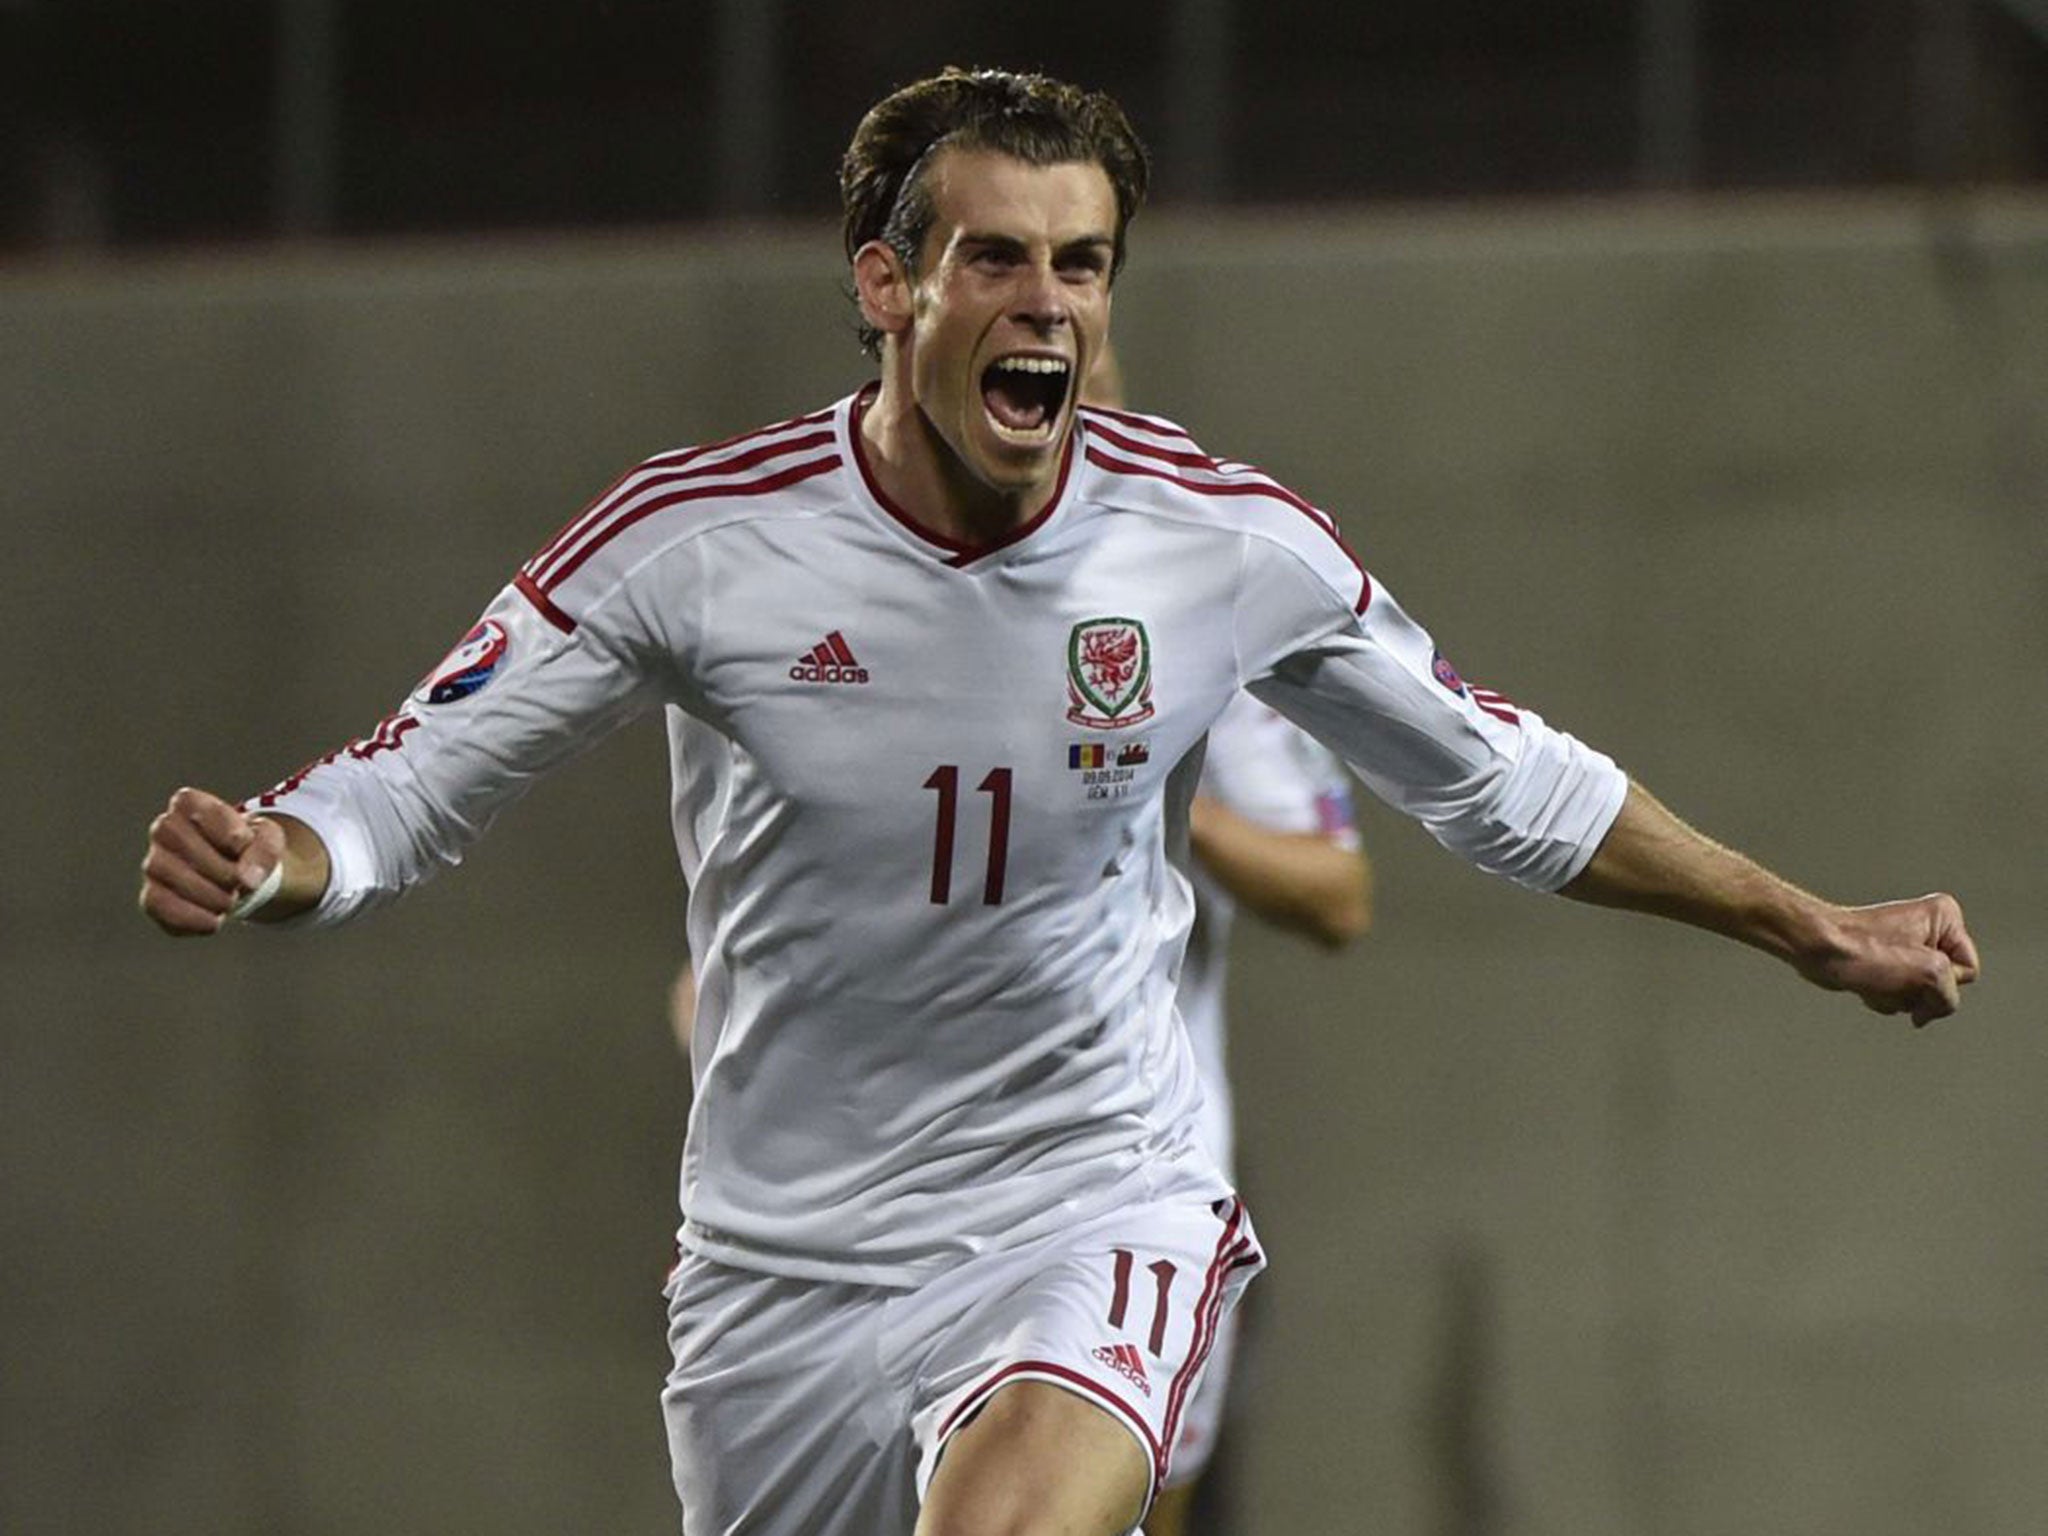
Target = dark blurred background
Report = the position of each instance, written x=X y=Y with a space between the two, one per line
x=129 y=123
x=1684 y=364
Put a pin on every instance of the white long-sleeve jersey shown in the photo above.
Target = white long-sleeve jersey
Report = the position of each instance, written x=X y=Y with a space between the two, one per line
x=923 y=799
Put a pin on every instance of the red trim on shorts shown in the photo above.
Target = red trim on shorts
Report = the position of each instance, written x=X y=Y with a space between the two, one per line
x=1232 y=1251
x=1071 y=1377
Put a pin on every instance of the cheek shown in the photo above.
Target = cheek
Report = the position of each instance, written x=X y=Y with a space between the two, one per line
x=944 y=345
x=936 y=382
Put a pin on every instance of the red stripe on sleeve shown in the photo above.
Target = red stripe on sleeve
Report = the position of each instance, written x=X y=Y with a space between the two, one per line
x=683 y=465
x=781 y=480
x=1269 y=489
x=547 y=610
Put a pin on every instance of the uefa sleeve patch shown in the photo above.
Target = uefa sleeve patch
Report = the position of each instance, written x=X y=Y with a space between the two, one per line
x=467 y=668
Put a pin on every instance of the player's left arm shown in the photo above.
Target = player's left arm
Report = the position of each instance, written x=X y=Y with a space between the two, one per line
x=1305 y=882
x=1910 y=957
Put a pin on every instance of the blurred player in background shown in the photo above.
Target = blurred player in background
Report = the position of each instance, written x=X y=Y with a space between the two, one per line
x=1270 y=829
x=935 y=661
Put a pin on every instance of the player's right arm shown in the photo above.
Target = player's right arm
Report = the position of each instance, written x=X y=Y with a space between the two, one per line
x=207 y=857
x=525 y=690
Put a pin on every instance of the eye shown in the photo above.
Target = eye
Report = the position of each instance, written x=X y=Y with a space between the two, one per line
x=1083 y=266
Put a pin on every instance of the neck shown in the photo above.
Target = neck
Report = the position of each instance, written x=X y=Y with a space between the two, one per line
x=924 y=478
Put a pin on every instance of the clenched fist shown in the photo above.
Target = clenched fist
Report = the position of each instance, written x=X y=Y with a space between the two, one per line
x=205 y=856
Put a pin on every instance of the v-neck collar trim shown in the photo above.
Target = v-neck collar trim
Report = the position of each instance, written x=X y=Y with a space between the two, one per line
x=953 y=552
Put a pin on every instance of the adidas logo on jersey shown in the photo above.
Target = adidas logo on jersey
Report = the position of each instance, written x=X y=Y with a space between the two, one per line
x=831 y=660
x=1125 y=1360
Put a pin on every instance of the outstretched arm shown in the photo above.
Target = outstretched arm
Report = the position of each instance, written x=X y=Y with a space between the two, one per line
x=207 y=857
x=1303 y=882
x=1910 y=957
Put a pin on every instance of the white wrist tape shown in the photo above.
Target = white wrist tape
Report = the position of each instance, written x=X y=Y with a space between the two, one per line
x=262 y=894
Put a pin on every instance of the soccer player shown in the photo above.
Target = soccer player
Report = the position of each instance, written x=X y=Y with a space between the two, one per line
x=934 y=661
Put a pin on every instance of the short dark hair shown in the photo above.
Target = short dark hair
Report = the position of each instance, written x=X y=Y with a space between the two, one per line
x=1036 y=119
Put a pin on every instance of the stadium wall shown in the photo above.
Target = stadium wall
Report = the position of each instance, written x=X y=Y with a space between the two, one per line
x=1579 y=1224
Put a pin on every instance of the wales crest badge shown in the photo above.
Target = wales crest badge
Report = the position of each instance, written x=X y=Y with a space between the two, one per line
x=1109 y=674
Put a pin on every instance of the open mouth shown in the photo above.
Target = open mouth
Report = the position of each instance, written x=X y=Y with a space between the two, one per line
x=1023 y=395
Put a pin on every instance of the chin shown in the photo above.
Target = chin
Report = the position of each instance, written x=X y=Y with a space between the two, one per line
x=1011 y=461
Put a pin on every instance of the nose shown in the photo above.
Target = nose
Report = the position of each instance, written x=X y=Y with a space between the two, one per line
x=1042 y=298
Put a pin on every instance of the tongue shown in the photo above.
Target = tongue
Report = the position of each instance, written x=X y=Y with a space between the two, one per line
x=1019 y=410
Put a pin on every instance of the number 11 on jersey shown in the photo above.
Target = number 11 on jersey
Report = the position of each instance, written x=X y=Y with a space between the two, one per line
x=945 y=783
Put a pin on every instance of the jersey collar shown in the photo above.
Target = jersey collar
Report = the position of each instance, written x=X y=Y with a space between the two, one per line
x=952 y=551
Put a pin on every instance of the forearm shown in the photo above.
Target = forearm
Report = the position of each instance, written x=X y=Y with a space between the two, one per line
x=1651 y=861
x=1910 y=957
x=1300 y=881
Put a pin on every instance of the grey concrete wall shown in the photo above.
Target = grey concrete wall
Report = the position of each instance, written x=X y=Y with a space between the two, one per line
x=1580 y=1224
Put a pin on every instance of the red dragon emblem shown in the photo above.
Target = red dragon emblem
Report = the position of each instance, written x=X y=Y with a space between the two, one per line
x=1109 y=673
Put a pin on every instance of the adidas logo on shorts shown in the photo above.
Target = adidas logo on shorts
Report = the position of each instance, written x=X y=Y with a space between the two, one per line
x=1125 y=1360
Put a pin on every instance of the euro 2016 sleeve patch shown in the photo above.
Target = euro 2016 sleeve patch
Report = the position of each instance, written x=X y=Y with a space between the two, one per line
x=1498 y=705
x=473 y=663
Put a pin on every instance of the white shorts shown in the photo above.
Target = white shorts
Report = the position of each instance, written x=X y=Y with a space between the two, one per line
x=811 y=1408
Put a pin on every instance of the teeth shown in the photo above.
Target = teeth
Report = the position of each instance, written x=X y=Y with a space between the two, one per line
x=1032 y=364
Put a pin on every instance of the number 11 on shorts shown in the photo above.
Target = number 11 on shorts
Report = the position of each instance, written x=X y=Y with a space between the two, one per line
x=1162 y=1271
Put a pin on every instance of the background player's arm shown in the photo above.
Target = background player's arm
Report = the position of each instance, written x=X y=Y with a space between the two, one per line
x=205 y=854
x=1909 y=957
x=1303 y=882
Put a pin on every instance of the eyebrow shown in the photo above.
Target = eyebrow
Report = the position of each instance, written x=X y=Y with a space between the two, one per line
x=991 y=241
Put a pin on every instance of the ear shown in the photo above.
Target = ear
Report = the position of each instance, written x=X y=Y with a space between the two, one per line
x=883 y=287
